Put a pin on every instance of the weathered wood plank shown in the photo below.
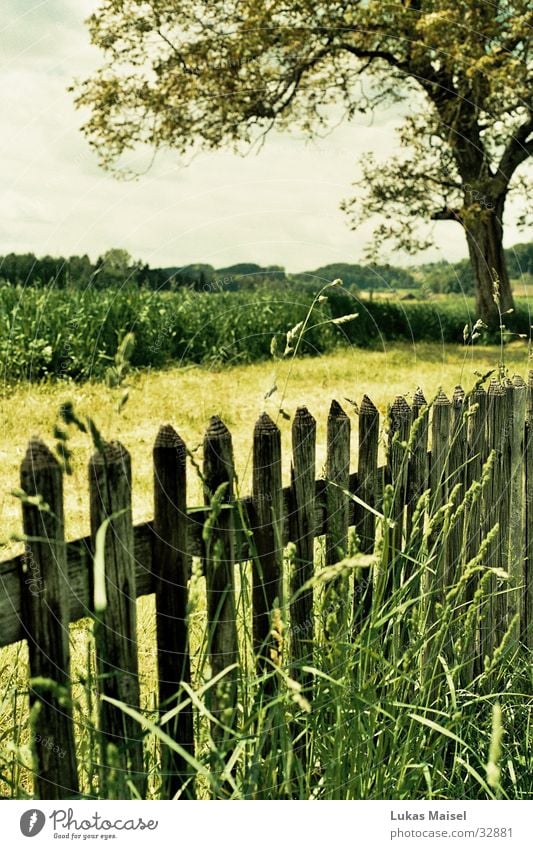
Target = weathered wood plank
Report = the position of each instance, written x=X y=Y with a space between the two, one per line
x=517 y=500
x=337 y=515
x=171 y=570
x=302 y=533
x=504 y=505
x=400 y=419
x=492 y=619
x=220 y=560
x=477 y=455
x=438 y=478
x=337 y=484
x=476 y=447
x=45 y=623
x=268 y=537
x=418 y=471
x=457 y=478
x=527 y=617
x=369 y=491
x=367 y=472
x=115 y=626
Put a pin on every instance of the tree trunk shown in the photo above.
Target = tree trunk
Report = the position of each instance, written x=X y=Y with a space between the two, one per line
x=484 y=234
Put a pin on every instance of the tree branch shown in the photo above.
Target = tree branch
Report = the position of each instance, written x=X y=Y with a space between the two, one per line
x=519 y=148
x=446 y=214
x=361 y=53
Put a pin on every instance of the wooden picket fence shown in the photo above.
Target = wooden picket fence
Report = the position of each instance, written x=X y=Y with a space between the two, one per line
x=56 y=582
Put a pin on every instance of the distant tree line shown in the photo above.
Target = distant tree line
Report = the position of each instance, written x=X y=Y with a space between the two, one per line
x=116 y=268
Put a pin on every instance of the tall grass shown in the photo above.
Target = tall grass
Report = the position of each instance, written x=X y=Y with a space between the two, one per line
x=393 y=704
x=70 y=334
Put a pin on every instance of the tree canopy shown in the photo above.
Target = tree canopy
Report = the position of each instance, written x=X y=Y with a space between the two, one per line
x=212 y=73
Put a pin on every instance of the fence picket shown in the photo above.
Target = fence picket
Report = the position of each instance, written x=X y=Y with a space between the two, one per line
x=438 y=477
x=267 y=529
x=457 y=477
x=369 y=493
x=476 y=450
x=400 y=419
x=46 y=624
x=115 y=625
x=476 y=458
x=171 y=569
x=491 y=621
x=504 y=510
x=418 y=471
x=220 y=560
x=517 y=505
x=302 y=523
x=337 y=483
x=527 y=617
x=367 y=473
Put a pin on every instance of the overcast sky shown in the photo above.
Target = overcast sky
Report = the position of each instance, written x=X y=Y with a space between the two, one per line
x=280 y=206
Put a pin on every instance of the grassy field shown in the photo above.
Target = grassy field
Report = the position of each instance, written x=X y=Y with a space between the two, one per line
x=408 y=760
x=64 y=334
x=187 y=397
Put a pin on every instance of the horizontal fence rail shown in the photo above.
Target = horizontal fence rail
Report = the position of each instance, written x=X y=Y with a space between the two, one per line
x=468 y=458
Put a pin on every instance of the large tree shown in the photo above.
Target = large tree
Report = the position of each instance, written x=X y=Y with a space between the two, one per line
x=207 y=73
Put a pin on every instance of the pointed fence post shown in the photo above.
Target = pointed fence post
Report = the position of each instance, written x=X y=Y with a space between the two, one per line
x=302 y=534
x=268 y=560
x=418 y=471
x=369 y=493
x=337 y=484
x=457 y=478
x=504 y=507
x=45 y=594
x=400 y=418
x=517 y=500
x=171 y=570
x=492 y=624
x=219 y=541
x=440 y=451
x=477 y=456
x=527 y=618
x=337 y=512
x=115 y=626
x=367 y=474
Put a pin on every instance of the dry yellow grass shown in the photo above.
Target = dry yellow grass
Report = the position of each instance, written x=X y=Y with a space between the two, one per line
x=188 y=397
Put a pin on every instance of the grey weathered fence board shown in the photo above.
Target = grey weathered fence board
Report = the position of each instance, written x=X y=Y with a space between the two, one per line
x=476 y=452
x=46 y=617
x=337 y=483
x=171 y=570
x=517 y=505
x=438 y=477
x=267 y=514
x=220 y=558
x=368 y=490
x=302 y=533
x=115 y=626
x=418 y=470
x=400 y=419
x=457 y=478
x=527 y=616
x=492 y=620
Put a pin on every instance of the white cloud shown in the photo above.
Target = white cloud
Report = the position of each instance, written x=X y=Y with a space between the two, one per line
x=279 y=206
